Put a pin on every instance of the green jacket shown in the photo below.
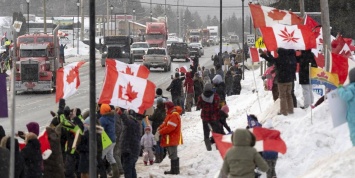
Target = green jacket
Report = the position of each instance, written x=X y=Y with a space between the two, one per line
x=241 y=159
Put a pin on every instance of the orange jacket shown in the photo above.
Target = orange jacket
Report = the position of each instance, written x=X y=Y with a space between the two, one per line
x=170 y=129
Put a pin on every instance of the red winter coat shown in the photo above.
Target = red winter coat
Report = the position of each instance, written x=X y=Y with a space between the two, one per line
x=189 y=83
x=170 y=129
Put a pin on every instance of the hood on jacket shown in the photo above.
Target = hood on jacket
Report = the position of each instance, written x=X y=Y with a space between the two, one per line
x=243 y=137
x=17 y=146
x=33 y=127
x=3 y=141
x=34 y=142
x=206 y=73
x=178 y=109
x=208 y=96
x=217 y=79
x=212 y=71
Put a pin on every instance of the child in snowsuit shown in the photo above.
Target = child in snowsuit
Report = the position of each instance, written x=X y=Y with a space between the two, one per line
x=241 y=159
x=223 y=113
x=148 y=142
x=348 y=95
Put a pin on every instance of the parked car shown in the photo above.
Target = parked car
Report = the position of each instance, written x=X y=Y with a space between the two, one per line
x=179 y=50
x=200 y=47
x=157 y=57
x=139 y=49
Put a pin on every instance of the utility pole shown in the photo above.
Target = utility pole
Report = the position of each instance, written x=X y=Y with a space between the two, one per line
x=302 y=8
x=107 y=17
x=82 y=20
x=326 y=32
x=125 y=18
x=45 y=16
x=243 y=55
x=151 y=12
x=178 y=20
x=220 y=29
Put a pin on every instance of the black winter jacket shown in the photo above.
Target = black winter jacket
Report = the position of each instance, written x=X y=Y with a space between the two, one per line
x=175 y=86
x=306 y=57
x=131 y=135
x=158 y=117
x=33 y=159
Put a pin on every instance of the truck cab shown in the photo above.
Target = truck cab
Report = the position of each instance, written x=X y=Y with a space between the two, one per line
x=179 y=50
x=117 y=48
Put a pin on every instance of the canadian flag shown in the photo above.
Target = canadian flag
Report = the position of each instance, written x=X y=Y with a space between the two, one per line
x=339 y=65
x=127 y=91
x=319 y=57
x=339 y=46
x=68 y=80
x=264 y=16
x=266 y=140
x=298 y=37
x=45 y=145
x=255 y=54
x=131 y=69
x=183 y=69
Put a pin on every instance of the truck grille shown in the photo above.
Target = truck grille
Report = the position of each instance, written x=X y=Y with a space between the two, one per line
x=138 y=52
x=29 y=72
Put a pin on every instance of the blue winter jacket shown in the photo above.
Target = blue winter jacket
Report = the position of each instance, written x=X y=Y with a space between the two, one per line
x=108 y=122
x=348 y=95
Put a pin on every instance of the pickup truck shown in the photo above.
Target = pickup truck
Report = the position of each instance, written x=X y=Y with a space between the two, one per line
x=139 y=49
x=157 y=57
x=179 y=50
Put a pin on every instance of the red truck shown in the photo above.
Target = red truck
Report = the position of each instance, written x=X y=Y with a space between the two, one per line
x=38 y=62
x=156 y=34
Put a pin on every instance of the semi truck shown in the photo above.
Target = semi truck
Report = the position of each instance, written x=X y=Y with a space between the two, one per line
x=38 y=61
x=156 y=34
x=116 y=48
x=206 y=37
x=214 y=32
x=194 y=36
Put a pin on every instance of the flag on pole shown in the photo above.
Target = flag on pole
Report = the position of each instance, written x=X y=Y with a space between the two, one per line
x=266 y=140
x=127 y=91
x=68 y=80
x=264 y=16
x=255 y=54
x=183 y=69
x=45 y=145
x=321 y=77
x=130 y=69
x=298 y=37
x=3 y=96
x=339 y=65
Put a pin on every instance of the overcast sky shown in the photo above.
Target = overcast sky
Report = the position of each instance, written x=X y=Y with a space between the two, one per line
x=204 y=11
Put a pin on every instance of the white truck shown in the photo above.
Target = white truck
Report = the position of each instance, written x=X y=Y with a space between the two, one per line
x=214 y=33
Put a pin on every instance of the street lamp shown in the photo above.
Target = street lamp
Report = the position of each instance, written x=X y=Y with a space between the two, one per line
x=77 y=26
x=134 y=14
x=28 y=16
x=151 y=16
x=111 y=7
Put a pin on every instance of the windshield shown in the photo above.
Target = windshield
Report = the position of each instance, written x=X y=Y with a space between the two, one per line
x=156 y=51
x=206 y=33
x=170 y=42
x=180 y=45
x=213 y=34
x=140 y=45
x=116 y=52
x=234 y=37
x=33 y=53
x=194 y=33
x=154 y=36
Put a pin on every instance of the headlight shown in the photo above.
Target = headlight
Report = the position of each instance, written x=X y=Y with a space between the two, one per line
x=123 y=52
x=145 y=52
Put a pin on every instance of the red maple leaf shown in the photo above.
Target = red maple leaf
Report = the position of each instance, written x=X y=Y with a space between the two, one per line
x=288 y=36
x=322 y=75
x=276 y=14
x=129 y=94
x=72 y=75
x=30 y=85
x=128 y=71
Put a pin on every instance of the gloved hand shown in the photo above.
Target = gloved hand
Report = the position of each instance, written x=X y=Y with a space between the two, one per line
x=263 y=77
x=156 y=136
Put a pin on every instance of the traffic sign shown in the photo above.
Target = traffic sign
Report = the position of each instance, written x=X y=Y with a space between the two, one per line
x=251 y=39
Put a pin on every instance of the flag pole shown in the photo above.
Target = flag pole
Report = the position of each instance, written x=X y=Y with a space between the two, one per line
x=256 y=88
x=311 y=87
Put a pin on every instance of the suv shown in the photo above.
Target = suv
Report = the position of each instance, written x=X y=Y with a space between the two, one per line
x=234 y=39
x=179 y=50
x=157 y=57
x=138 y=50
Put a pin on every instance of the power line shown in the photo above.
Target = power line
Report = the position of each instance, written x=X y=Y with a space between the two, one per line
x=227 y=7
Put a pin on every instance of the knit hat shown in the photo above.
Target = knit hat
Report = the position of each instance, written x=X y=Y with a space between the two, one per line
x=147 y=128
x=105 y=108
x=225 y=109
x=217 y=79
x=208 y=87
x=33 y=127
x=352 y=75
x=158 y=91
x=169 y=105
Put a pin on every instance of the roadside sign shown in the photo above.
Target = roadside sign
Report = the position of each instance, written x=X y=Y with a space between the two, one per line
x=64 y=41
x=17 y=25
x=250 y=39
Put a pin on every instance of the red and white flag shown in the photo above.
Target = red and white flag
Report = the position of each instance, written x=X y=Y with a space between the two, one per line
x=264 y=16
x=266 y=140
x=339 y=65
x=339 y=46
x=130 y=69
x=68 y=80
x=45 y=145
x=319 y=57
x=127 y=91
x=298 y=37
x=255 y=54
x=183 y=69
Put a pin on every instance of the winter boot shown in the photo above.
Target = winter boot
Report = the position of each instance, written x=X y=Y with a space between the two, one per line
x=151 y=162
x=175 y=169
x=208 y=144
x=157 y=158
x=145 y=163
x=115 y=173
